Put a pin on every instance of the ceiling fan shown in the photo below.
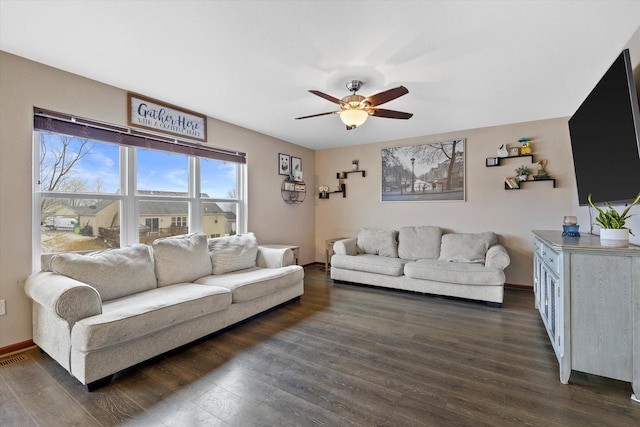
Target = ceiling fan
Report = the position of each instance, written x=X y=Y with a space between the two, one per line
x=355 y=109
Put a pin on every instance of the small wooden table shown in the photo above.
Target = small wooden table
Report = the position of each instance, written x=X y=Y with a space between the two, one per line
x=294 y=249
x=328 y=249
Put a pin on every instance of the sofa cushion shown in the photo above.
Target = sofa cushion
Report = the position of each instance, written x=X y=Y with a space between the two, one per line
x=466 y=247
x=233 y=253
x=419 y=242
x=378 y=242
x=134 y=316
x=370 y=264
x=114 y=273
x=454 y=272
x=255 y=282
x=181 y=258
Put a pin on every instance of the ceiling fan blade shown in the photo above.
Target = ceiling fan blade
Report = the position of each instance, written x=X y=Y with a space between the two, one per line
x=327 y=97
x=386 y=96
x=317 y=115
x=389 y=114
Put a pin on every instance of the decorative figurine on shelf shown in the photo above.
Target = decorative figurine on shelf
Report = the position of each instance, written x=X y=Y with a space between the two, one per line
x=323 y=189
x=340 y=184
x=526 y=146
x=354 y=165
x=542 y=173
x=502 y=151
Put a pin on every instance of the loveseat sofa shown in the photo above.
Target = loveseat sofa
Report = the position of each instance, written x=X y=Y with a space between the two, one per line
x=99 y=313
x=426 y=260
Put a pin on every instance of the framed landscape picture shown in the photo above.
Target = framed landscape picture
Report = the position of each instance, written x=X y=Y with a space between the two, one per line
x=424 y=172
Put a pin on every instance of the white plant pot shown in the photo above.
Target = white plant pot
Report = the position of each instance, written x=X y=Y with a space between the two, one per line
x=614 y=236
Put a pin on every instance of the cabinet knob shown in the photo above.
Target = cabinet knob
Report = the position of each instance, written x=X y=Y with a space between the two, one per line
x=551 y=260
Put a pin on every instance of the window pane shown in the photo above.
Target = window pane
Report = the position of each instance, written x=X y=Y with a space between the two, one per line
x=70 y=164
x=160 y=219
x=79 y=224
x=219 y=219
x=166 y=173
x=218 y=179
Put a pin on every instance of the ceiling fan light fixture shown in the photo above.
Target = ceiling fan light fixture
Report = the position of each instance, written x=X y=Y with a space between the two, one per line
x=353 y=118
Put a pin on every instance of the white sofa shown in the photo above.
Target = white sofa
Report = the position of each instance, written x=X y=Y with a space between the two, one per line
x=99 y=313
x=424 y=259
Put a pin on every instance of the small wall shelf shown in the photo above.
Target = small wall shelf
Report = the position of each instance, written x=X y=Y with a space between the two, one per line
x=346 y=174
x=520 y=183
x=497 y=161
x=293 y=192
x=325 y=195
x=343 y=188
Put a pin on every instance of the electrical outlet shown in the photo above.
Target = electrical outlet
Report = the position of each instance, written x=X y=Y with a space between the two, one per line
x=3 y=307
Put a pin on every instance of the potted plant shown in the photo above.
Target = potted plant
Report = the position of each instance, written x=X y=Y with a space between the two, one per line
x=523 y=172
x=612 y=222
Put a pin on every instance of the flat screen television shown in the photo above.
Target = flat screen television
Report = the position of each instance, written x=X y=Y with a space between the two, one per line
x=605 y=138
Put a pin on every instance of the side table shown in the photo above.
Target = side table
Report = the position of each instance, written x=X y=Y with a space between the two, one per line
x=328 y=251
x=294 y=249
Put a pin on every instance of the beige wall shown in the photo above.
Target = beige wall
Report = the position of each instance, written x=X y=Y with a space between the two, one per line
x=25 y=84
x=488 y=206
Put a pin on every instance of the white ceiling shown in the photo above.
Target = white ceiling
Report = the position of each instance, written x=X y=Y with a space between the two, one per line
x=467 y=64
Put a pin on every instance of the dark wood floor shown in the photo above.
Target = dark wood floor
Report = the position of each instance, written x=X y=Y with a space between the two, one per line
x=343 y=355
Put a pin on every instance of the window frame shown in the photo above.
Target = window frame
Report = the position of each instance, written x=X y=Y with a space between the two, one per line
x=129 y=198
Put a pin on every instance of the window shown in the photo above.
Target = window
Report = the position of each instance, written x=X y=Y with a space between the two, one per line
x=97 y=188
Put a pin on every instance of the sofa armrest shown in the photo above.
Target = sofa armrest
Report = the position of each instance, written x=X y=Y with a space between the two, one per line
x=497 y=257
x=346 y=247
x=67 y=298
x=274 y=257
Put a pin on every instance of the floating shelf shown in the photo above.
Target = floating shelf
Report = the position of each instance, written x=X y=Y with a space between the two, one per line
x=497 y=161
x=520 y=183
x=346 y=174
x=326 y=195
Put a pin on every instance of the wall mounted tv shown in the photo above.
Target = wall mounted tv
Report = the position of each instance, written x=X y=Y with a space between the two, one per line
x=605 y=138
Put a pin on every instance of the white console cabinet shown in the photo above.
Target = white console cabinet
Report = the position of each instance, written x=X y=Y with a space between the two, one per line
x=589 y=298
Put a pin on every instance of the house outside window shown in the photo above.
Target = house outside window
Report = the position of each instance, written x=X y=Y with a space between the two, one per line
x=92 y=194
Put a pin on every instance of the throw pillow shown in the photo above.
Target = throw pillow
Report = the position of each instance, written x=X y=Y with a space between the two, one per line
x=114 y=273
x=466 y=247
x=181 y=258
x=377 y=242
x=419 y=242
x=233 y=253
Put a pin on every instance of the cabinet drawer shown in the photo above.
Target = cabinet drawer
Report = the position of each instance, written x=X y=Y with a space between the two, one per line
x=550 y=257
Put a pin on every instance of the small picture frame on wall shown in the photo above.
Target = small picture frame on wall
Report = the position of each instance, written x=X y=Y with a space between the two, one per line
x=514 y=151
x=296 y=168
x=284 y=164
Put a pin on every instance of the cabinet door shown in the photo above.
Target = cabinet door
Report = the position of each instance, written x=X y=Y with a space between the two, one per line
x=550 y=306
x=537 y=267
x=602 y=330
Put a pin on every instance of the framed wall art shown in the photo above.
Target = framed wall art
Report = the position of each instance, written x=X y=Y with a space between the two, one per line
x=296 y=168
x=424 y=172
x=284 y=164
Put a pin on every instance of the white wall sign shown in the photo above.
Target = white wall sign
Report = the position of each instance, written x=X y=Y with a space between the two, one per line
x=155 y=115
